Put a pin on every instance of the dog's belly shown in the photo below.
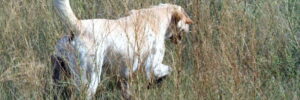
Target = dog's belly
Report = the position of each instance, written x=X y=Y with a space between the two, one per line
x=126 y=56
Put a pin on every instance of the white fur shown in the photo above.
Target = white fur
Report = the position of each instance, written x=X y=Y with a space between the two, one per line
x=135 y=40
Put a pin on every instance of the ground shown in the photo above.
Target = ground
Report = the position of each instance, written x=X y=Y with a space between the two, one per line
x=237 y=49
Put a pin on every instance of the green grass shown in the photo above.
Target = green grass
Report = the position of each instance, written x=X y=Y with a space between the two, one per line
x=237 y=49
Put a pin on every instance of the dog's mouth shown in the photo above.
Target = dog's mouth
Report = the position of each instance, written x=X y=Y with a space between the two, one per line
x=176 y=38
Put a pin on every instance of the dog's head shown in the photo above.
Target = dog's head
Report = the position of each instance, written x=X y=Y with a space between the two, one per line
x=179 y=25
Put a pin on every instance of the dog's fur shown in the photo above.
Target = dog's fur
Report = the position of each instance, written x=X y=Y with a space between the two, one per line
x=132 y=41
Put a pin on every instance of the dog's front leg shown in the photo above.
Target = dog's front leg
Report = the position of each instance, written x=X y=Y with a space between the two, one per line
x=154 y=65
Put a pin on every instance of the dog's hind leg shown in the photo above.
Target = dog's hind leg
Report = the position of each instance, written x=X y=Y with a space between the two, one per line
x=126 y=93
x=57 y=63
x=95 y=73
x=60 y=70
x=93 y=85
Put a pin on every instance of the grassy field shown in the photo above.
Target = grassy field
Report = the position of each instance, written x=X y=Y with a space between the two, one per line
x=237 y=49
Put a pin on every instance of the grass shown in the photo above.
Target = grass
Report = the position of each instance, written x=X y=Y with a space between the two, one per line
x=237 y=49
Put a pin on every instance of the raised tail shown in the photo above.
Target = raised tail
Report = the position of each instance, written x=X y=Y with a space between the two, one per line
x=64 y=10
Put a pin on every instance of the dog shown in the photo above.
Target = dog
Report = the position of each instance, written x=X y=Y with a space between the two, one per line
x=130 y=42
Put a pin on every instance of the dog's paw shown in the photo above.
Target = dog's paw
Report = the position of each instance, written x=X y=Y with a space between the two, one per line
x=157 y=83
x=162 y=71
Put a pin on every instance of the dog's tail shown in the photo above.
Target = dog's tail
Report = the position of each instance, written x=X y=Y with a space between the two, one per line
x=64 y=10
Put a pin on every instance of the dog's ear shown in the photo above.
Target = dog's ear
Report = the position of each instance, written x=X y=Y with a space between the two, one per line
x=188 y=20
x=177 y=16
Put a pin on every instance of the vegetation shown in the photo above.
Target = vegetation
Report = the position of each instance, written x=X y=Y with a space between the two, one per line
x=237 y=49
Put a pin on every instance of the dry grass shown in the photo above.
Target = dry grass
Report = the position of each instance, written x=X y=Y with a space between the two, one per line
x=238 y=49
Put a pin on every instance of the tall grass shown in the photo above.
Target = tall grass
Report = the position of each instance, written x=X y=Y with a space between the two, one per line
x=237 y=49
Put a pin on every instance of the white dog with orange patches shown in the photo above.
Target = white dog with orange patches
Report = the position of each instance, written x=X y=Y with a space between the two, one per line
x=135 y=40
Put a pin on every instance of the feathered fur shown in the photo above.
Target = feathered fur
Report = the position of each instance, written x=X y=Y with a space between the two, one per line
x=135 y=40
